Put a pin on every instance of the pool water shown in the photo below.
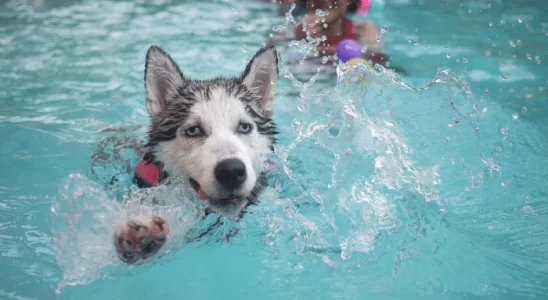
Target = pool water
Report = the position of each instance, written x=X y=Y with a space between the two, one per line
x=429 y=185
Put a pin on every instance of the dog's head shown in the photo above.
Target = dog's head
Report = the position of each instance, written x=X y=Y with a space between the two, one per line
x=216 y=133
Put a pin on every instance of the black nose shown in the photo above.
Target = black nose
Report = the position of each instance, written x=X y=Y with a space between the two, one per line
x=230 y=173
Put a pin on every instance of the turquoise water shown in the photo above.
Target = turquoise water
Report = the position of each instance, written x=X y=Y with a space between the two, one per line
x=429 y=186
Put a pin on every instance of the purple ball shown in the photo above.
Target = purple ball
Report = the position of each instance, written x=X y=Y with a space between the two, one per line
x=348 y=49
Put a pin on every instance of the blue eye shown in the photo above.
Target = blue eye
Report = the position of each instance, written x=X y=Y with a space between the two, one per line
x=244 y=128
x=192 y=131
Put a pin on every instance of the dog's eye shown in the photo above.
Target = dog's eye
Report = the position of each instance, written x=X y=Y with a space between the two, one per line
x=244 y=127
x=192 y=131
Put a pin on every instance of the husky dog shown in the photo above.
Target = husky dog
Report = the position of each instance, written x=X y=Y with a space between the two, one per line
x=216 y=134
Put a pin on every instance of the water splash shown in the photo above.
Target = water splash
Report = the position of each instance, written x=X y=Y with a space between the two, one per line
x=83 y=218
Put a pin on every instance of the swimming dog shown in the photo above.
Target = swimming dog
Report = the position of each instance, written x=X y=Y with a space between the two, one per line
x=216 y=134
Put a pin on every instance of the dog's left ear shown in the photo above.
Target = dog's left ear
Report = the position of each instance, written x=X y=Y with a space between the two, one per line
x=261 y=77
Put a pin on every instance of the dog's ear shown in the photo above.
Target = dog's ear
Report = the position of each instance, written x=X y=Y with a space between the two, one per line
x=162 y=78
x=261 y=77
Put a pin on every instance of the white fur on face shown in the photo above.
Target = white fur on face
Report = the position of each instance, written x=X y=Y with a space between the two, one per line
x=197 y=157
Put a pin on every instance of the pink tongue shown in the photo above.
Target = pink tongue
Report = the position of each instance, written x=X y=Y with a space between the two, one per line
x=202 y=195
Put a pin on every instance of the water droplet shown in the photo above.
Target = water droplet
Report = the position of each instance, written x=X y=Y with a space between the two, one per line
x=490 y=24
x=244 y=49
x=325 y=25
x=486 y=92
x=448 y=55
x=524 y=109
x=520 y=20
x=502 y=21
x=512 y=43
x=515 y=116
x=504 y=132
x=483 y=111
x=490 y=227
x=503 y=76
x=447 y=140
x=321 y=13
x=465 y=60
x=388 y=64
x=334 y=131
x=529 y=56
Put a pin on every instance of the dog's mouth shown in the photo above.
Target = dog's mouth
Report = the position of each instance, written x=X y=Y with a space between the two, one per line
x=202 y=195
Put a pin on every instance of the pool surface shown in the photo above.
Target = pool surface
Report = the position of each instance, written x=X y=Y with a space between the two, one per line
x=429 y=185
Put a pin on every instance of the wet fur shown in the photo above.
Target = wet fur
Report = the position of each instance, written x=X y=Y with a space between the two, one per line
x=218 y=107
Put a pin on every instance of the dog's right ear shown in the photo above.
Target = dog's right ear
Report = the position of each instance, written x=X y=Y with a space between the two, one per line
x=162 y=78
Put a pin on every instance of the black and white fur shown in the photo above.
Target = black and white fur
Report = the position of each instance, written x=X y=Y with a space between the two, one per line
x=216 y=133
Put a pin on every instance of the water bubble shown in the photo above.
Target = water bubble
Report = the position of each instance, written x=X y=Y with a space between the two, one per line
x=235 y=11
x=465 y=60
x=502 y=21
x=486 y=92
x=325 y=59
x=364 y=49
x=498 y=149
x=515 y=116
x=490 y=227
x=483 y=111
x=512 y=43
x=240 y=28
x=470 y=11
x=447 y=140
x=503 y=76
x=490 y=24
x=388 y=64
x=489 y=5
x=529 y=56
x=448 y=55
x=520 y=20
x=325 y=25
x=537 y=59
x=244 y=49
x=524 y=109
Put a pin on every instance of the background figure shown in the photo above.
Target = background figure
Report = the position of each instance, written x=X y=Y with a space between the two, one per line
x=332 y=25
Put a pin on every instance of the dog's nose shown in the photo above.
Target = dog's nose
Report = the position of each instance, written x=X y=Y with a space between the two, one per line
x=231 y=173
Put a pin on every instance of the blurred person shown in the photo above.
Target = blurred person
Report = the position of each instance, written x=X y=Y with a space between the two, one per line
x=330 y=26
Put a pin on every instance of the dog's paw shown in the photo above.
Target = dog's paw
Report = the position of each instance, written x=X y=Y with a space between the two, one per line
x=140 y=237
